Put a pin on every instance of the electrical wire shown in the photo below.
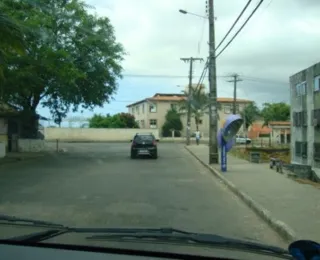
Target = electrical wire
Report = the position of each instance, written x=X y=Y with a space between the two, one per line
x=264 y=80
x=161 y=76
x=235 y=22
x=246 y=21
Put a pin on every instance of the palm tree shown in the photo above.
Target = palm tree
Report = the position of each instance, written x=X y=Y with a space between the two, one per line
x=199 y=102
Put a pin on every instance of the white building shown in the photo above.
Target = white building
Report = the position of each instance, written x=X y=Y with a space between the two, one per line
x=305 y=117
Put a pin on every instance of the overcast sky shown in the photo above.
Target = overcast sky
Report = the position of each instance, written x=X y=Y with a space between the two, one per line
x=281 y=39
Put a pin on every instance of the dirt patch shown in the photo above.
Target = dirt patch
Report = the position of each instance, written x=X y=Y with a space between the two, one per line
x=314 y=184
x=266 y=154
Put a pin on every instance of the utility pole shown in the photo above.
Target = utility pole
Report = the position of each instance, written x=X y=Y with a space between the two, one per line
x=235 y=80
x=213 y=131
x=191 y=60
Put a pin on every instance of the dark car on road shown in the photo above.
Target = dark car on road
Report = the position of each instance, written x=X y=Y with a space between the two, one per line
x=144 y=144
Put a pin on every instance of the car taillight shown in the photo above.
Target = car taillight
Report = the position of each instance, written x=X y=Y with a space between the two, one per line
x=133 y=143
x=154 y=142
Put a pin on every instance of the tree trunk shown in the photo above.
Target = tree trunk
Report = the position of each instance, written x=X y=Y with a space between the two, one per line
x=197 y=124
x=29 y=124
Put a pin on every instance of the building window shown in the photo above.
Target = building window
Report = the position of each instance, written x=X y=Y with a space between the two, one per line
x=317 y=83
x=153 y=123
x=200 y=122
x=227 y=109
x=173 y=106
x=132 y=110
x=301 y=89
x=142 y=108
x=304 y=118
x=315 y=117
x=152 y=108
x=316 y=152
x=297 y=118
x=301 y=149
x=304 y=150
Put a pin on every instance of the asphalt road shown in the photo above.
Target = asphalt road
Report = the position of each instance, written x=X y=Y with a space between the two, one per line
x=97 y=184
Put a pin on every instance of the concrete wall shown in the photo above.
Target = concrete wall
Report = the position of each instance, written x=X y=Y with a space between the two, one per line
x=31 y=145
x=94 y=134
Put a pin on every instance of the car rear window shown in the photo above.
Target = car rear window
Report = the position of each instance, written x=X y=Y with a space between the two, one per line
x=144 y=138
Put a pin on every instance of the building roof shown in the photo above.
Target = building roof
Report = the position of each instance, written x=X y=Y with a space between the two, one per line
x=258 y=129
x=280 y=123
x=179 y=97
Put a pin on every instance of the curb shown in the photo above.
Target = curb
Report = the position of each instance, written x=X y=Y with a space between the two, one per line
x=280 y=227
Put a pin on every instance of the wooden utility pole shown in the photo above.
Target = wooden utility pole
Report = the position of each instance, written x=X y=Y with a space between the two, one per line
x=213 y=130
x=191 y=60
x=235 y=80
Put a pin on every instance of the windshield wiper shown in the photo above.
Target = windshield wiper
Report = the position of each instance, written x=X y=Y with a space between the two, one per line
x=5 y=219
x=173 y=235
x=53 y=229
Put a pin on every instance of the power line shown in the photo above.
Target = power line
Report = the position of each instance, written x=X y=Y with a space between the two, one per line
x=201 y=77
x=160 y=76
x=249 y=78
x=235 y=22
x=246 y=21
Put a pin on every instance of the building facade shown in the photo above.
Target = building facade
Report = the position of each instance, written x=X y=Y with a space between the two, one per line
x=150 y=112
x=305 y=117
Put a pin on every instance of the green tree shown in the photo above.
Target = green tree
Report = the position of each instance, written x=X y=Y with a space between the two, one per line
x=121 y=120
x=199 y=102
x=250 y=113
x=173 y=122
x=275 y=112
x=11 y=39
x=72 y=60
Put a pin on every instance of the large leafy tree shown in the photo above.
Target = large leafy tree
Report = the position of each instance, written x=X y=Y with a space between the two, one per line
x=121 y=120
x=172 y=123
x=72 y=58
x=275 y=112
x=250 y=113
x=11 y=39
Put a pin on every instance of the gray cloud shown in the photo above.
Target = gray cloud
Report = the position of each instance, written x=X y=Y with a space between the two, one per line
x=281 y=39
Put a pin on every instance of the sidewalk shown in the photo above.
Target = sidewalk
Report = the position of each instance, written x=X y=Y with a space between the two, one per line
x=297 y=205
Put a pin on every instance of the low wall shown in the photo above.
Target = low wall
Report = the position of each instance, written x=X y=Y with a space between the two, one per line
x=31 y=145
x=94 y=134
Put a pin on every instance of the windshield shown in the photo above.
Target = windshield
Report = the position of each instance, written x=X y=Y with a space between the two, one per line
x=202 y=117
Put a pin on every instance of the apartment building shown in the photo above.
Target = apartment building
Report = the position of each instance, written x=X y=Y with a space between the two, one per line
x=305 y=117
x=150 y=112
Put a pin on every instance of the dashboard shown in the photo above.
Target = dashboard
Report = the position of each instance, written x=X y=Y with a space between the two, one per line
x=61 y=252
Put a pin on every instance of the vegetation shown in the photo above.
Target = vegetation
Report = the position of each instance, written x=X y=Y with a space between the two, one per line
x=172 y=123
x=250 y=113
x=71 y=58
x=275 y=112
x=121 y=120
x=199 y=102
x=269 y=112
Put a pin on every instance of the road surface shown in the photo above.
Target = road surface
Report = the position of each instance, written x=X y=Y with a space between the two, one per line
x=97 y=184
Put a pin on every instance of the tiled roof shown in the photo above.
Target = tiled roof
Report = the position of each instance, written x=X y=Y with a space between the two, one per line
x=257 y=129
x=179 y=97
x=279 y=123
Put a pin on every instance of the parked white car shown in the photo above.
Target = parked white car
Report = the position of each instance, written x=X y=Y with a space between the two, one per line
x=242 y=140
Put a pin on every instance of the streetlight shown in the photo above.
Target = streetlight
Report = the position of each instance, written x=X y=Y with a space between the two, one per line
x=213 y=144
x=186 y=12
